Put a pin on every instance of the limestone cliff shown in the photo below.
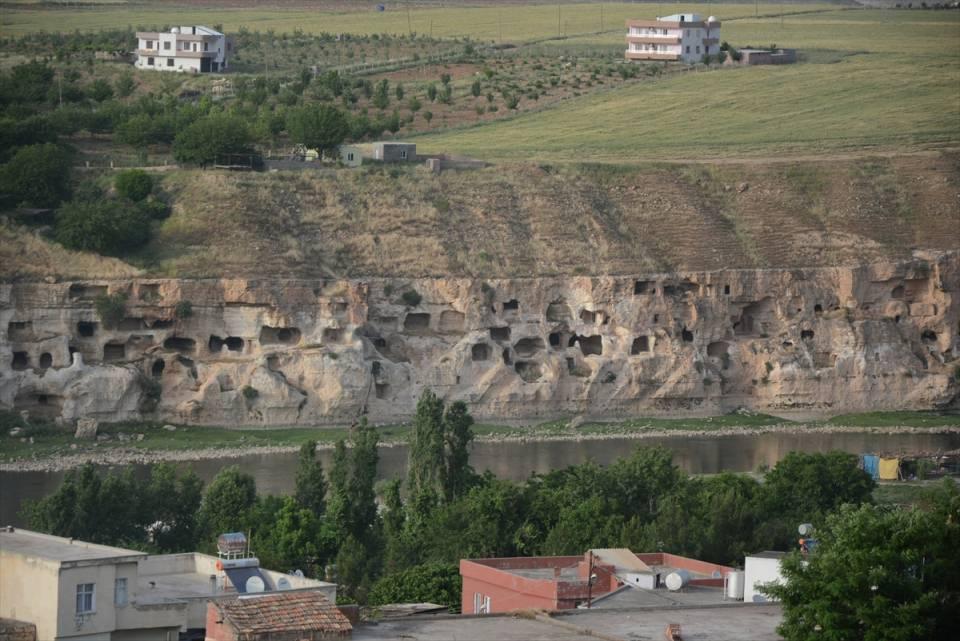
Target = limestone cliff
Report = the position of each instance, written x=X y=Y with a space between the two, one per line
x=284 y=352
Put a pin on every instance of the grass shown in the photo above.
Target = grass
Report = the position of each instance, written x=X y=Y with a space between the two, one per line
x=50 y=441
x=885 y=84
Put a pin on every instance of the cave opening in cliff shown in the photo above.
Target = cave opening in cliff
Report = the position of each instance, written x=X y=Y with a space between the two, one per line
x=818 y=309
x=40 y=405
x=806 y=334
x=375 y=368
x=726 y=290
x=644 y=287
x=529 y=371
x=86 y=329
x=416 y=322
x=928 y=336
x=160 y=323
x=130 y=324
x=555 y=339
x=558 y=312
x=21 y=361
x=148 y=292
x=527 y=347
x=156 y=370
x=381 y=389
x=588 y=317
x=189 y=365
x=591 y=345
x=234 y=343
x=452 y=321
x=279 y=335
x=500 y=333
x=640 y=344
x=686 y=335
x=332 y=334
x=480 y=352
x=897 y=293
x=86 y=292
x=180 y=344
x=46 y=360
x=215 y=344
x=114 y=351
x=18 y=330
x=506 y=357
x=512 y=305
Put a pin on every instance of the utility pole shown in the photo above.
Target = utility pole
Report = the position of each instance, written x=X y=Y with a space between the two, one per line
x=756 y=9
x=409 y=28
x=558 y=18
x=590 y=580
x=500 y=24
x=601 y=16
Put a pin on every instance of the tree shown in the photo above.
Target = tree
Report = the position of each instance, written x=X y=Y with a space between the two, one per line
x=426 y=475
x=37 y=176
x=876 y=573
x=320 y=127
x=431 y=583
x=381 y=94
x=311 y=486
x=228 y=502
x=432 y=92
x=428 y=116
x=286 y=539
x=171 y=506
x=475 y=89
x=104 y=226
x=457 y=436
x=133 y=184
x=215 y=135
x=125 y=85
x=100 y=90
x=398 y=91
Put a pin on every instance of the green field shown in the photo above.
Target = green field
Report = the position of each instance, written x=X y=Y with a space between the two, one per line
x=509 y=23
x=871 y=79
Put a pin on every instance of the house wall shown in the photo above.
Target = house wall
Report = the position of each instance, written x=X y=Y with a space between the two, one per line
x=104 y=619
x=759 y=570
x=28 y=591
x=508 y=591
x=217 y=628
x=393 y=152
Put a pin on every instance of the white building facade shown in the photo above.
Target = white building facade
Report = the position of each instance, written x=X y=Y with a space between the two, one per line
x=683 y=37
x=194 y=49
x=759 y=569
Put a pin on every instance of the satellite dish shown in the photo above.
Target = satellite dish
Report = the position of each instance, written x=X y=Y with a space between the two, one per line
x=283 y=584
x=805 y=529
x=255 y=584
x=298 y=573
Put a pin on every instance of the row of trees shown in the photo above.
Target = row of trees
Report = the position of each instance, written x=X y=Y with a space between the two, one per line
x=443 y=511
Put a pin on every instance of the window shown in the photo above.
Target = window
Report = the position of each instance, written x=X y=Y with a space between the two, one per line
x=350 y=156
x=166 y=45
x=149 y=44
x=86 y=598
x=120 y=592
x=687 y=33
x=206 y=46
x=698 y=48
x=170 y=60
x=403 y=154
x=688 y=48
x=481 y=603
x=194 y=46
x=150 y=61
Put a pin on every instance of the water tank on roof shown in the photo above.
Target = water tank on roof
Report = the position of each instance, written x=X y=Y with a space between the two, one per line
x=712 y=19
x=677 y=580
x=232 y=543
x=175 y=30
x=735 y=582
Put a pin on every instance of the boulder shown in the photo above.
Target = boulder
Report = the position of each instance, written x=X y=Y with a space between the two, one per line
x=170 y=428
x=86 y=428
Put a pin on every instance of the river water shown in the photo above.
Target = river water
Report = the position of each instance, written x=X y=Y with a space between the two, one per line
x=516 y=461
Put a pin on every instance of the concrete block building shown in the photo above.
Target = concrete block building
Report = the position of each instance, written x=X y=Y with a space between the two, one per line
x=195 y=49
x=683 y=37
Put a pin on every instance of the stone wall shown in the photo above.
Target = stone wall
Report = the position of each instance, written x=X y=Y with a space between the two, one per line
x=12 y=630
x=284 y=352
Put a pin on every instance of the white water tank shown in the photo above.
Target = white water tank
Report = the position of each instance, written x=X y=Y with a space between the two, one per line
x=677 y=580
x=735 y=582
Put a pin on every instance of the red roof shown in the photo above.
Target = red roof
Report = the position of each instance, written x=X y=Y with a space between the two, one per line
x=303 y=611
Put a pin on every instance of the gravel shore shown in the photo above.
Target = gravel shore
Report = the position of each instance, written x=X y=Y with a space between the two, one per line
x=131 y=455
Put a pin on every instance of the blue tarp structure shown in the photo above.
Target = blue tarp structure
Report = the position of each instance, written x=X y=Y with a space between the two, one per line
x=871 y=465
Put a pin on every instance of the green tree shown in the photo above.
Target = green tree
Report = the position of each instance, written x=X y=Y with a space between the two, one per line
x=100 y=90
x=432 y=92
x=171 y=506
x=133 y=184
x=381 y=94
x=876 y=573
x=310 y=485
x=37 y=176
x=104 y=226
x=431 y=583
x=475 y=89
x=428 y=116
x=414 y=105
x=399 y=92
x=227 y=505
x=215 y=135
x=286 y=539
x=125 y=85
x=320 y=127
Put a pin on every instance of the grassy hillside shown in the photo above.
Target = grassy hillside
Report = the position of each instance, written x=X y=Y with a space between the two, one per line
x=873 y=79
x=528 y=220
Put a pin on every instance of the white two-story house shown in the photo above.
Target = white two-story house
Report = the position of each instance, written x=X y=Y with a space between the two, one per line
x=683 y=37
x=191 y=49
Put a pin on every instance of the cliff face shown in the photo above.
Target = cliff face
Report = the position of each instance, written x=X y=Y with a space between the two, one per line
x=283 y=352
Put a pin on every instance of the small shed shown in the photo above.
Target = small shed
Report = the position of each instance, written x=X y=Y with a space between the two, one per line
x=350 y=156
x=395 y=151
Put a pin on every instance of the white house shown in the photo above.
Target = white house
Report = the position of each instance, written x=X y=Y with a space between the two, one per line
x=192 y=49
x=760 y=568
x=685 y=37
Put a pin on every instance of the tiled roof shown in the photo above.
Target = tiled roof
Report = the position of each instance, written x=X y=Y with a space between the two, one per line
x=301 y=611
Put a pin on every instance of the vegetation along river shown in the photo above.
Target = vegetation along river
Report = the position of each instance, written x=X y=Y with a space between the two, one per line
x=517 y=460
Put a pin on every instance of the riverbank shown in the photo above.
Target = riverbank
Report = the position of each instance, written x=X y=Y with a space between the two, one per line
x=47 y=449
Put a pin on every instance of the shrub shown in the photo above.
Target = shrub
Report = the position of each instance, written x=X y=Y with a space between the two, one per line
x=475 y=89
x=111 y=308
x=183 y=309
x=250 y=393
x=512 y=101
x=411 y=298
x=211 y=136
x=103 y=226
x=37 y=175
x=134 y=184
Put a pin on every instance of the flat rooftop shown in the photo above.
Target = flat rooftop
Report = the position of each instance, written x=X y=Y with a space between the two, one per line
x=164 y=588
x=629 y=597
x=57 y=548
x=566 y=573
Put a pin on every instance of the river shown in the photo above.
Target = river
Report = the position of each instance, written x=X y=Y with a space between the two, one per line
x=516 y=461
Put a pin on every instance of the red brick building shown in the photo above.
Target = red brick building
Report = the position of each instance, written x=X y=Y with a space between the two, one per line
x=560 y=582
x=278 y=616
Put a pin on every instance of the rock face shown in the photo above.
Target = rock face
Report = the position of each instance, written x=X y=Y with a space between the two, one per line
x=284 y=352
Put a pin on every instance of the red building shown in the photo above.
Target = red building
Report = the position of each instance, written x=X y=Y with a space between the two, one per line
x=561 y=582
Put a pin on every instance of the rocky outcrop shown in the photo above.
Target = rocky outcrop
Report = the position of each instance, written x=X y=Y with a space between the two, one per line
x=284 y=352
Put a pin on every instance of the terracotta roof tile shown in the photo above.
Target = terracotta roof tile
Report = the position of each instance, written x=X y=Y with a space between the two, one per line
x=301 y=611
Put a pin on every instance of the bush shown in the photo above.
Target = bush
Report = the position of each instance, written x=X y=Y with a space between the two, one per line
x=431 y=583
x=111 y=308
x=202 y=141
x=411 y=298
x=103 y=226
x=134 y=184
x=37 y=175
x=250 y=393
x=319 y=127
x=183 y=309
